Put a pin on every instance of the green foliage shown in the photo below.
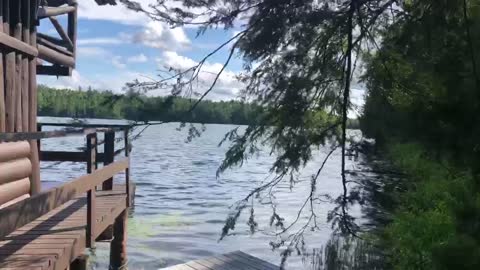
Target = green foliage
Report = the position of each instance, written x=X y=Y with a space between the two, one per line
x=105 y=104
x=436 y=225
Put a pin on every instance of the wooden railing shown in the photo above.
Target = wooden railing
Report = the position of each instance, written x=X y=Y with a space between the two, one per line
x=32 y=208
x=25 y=211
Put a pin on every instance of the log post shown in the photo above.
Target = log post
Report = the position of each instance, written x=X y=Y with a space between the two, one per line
x=80 y=263
x=72 y=27
x=108 y=156
x=9 y=74
x=35 y=186
x=127 y=170
x=118 y=246
x=2 y=86
x=91 y=166
x=17 y=8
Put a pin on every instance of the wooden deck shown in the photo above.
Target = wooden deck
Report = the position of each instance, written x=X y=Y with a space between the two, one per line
x=57 y=238
x=231 y=261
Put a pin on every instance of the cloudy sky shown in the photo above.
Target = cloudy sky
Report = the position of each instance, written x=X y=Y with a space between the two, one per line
x=116 y=45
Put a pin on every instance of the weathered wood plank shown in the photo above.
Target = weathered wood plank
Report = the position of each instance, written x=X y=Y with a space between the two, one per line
x=63 y=156
x=230 y=261
x=27 y=210
x=54 y=70
x=47 y=238
x=253 y=259
x=197 y=266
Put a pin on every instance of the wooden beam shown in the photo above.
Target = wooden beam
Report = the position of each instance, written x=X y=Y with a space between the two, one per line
x=118 y=246
x=53 y=46
x=17 y=33
x=109 y=152
x=63 y=156
x=32 y=88
x=55 y=57
x=62 y=33
x=2 y=85
x=23 y=136
x=54 y=70
x=44 y=12
x=127 y=170
x=91 y=196
x=72 y=27
x=80 y=263
x=25 y=66
x=17 y=45
x=51 y=39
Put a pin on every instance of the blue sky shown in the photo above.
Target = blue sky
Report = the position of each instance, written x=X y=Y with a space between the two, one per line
x=116 y=45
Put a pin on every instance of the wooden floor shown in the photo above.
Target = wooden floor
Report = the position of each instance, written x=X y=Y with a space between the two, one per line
x=54 y=240
x=231 y=261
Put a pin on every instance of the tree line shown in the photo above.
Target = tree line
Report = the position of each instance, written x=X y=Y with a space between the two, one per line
x=423 y=109
x=132 y=106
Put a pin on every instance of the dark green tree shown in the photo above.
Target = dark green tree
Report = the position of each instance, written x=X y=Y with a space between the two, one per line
x=299 y=59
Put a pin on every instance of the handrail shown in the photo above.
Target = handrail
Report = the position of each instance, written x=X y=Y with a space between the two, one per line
x=26 y=136
x=24 y=212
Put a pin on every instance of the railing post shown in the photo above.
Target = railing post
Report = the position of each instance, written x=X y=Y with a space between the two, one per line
x=91 y=166
x=118 y=246
x=127 y=170
x=108 y=156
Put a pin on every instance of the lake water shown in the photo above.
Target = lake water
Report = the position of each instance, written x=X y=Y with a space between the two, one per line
x=181 y=206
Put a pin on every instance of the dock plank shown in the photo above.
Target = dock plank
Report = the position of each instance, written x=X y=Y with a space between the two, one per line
x=231 y=261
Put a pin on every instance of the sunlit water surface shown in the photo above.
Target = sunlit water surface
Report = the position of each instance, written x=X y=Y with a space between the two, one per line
x=181 y=206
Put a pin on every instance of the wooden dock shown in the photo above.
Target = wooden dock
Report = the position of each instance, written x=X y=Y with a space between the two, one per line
x=52 y=229
x=231 y=261
x=56 y=239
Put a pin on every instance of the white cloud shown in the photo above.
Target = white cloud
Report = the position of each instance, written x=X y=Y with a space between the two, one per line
x=227 y=86
x=113 y=81
x=99 y=41
x=159 y=35
x=140 y=58
x=117 y=61
x=92 y=52
x=153 y=33
x=88 y=9
x=73 y=82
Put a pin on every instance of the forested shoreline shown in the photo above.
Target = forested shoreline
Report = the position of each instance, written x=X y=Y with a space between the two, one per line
x=423 y=110
x=132 y=106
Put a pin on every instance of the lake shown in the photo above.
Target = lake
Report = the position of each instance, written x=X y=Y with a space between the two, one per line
x=180 y=205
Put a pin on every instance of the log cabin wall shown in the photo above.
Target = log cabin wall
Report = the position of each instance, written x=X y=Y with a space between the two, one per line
x=19 y=165
x=24 y=54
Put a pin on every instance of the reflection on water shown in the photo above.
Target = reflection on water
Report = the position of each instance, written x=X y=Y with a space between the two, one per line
x=180 y=205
